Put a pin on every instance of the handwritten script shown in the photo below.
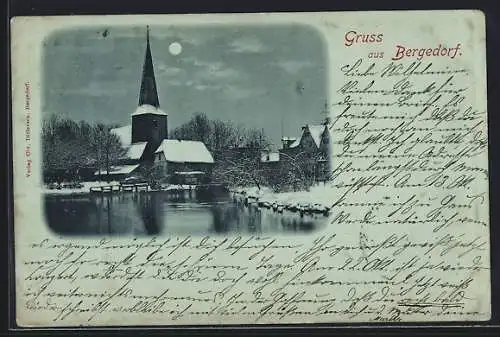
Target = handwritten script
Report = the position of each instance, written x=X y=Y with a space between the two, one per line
x=407 y=236
x=180 y=279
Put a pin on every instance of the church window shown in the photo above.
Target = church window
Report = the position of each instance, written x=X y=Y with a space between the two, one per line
x=155 y=123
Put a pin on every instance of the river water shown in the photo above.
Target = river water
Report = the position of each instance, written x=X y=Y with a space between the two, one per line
x=162 y=213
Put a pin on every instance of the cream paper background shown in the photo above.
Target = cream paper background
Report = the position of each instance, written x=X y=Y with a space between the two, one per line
x=418 y=29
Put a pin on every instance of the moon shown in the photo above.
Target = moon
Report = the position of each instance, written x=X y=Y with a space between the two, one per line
x=175 y=48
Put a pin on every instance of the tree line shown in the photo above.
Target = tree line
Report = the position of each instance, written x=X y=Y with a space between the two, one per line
x=219 y=136
x=71 y=147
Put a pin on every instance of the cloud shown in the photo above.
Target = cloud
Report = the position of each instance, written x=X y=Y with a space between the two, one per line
x=195 y=84
x=95 y=89
x=62 y=47
x=293 y=67
x=213 y=76
x=161 y=67
x=248 y=45
x=222 y=73
x=192 y=37
x=230 y=91
x=200 y=63
x=238 y=92
x=176 y=83
x=204 y=87
x=214 y=70
x=102 y=33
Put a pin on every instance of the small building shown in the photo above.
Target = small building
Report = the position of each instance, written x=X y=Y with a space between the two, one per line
x=183 y=161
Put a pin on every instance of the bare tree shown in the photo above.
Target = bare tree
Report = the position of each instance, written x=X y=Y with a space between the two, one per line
x=297 y=170
x=107 y=148
x=68 y=146
x=223 y=136
x=245 y=171
x=236 y=149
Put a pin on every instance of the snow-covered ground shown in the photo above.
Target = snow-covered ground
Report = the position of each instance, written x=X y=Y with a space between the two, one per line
x=87 y=185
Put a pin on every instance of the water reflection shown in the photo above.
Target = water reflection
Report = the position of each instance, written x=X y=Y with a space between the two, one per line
x=167 y=214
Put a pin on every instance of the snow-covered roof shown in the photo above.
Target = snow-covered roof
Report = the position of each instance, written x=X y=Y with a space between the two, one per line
x=295 y=143
x=136 y=150
x=289 y=138
x=124 y=133
x=316 y=131
x=185 y=151
x=148 y=109
x=122 y=169
x=270 y=157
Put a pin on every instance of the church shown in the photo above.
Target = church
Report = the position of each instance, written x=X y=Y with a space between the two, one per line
x=146 y=139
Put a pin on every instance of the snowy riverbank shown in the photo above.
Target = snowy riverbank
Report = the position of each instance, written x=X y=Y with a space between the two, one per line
x=84 y=189
x=87 y=186
x=317 y=199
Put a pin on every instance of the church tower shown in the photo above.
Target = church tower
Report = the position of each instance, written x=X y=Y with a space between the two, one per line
x=149 y=122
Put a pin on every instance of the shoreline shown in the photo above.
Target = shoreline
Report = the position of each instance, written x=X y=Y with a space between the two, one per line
x=313 y=201
x=303 y=202
x=114 y=188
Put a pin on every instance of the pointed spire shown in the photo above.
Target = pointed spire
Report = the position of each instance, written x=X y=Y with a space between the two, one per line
x=148 y=93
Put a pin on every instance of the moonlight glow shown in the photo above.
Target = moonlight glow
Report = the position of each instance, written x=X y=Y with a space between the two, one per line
x=175 y=48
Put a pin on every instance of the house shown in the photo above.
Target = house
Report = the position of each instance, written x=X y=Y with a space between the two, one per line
x=146 y=138
x=183 y=161
x=311 y=151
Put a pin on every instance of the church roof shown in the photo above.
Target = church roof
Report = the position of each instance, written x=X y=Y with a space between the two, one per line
x=148 y=109
x=136 y=150
x=185 y=151
x=124 y=133
x=120 y=169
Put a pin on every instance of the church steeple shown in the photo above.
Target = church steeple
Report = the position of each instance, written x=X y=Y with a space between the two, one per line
x=149 y=122
x=148 y=94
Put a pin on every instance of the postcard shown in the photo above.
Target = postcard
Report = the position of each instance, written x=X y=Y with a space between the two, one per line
x=266 y=168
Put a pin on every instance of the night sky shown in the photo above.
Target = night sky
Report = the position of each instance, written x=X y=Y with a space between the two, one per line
x=256 y=76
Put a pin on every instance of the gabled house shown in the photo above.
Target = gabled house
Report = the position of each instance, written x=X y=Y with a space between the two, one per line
x=183 y=161
x=311 y=150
